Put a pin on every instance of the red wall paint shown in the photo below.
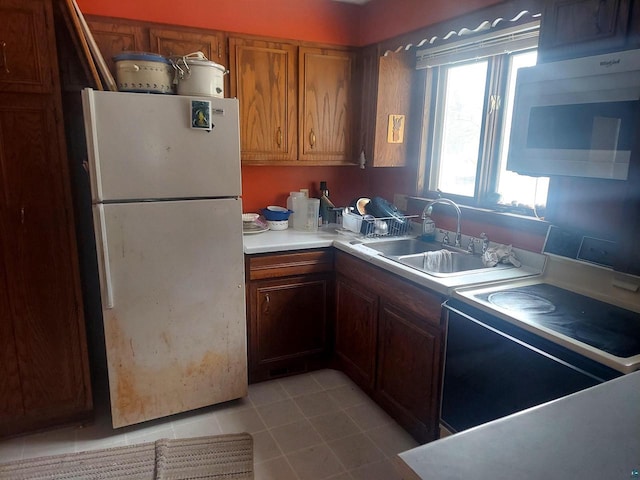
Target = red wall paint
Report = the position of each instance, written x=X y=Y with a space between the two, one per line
x=322 y=21
x=384 y=19
x=262 y=186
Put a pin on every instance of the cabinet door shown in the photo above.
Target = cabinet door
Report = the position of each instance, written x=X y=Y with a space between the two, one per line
x=263 y=78
x=40 y=259
x=175 y=42
x=115 y=38
x=288 y=323
x=408 y=370
x=325 y=99
x=393 y=108
x=26 y=54
x=575 y=28
x=356 y=325
x=11 y=406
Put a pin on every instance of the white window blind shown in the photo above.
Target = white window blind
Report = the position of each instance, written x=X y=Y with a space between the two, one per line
x=508 y=40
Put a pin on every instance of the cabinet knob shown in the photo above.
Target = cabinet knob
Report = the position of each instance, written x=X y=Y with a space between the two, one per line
x=4 y=58
x=312 y=138
x=279 y=137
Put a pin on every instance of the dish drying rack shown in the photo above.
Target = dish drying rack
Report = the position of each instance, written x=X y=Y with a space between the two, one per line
x=369 y=226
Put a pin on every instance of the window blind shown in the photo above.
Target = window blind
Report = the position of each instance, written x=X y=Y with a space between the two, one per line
x=508 y=40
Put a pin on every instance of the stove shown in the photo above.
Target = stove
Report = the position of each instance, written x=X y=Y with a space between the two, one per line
x=569 y=305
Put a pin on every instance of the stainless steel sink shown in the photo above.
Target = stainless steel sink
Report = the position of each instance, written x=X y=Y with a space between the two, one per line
x=461 y=263
x=404 y=246
x=411 y=252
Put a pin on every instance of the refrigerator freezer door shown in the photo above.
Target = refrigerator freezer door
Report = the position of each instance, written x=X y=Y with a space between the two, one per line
x=175 y=335
x=142 y=146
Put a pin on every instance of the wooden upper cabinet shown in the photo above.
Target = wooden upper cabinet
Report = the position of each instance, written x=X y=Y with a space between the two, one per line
x=26 y=54
x=263 y=78
x=326 y=106
x=386 y=107
x=177 y=42
x=114 y=38
x=575 y=28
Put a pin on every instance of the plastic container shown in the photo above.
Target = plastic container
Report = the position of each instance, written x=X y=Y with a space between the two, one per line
x=291 y=205
x=308 y=209
x=351 y=222
x=273 y=212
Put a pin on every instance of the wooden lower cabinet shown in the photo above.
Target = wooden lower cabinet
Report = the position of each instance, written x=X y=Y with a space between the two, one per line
x=408 y=371
x=389 y=340
x=289 y=316
x=355 y=345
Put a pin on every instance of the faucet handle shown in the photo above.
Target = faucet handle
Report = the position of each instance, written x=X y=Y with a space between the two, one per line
x=445 y=239
x=471 y=248
x=485 y=241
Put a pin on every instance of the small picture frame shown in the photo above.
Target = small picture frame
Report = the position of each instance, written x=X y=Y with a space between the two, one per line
x=395 y=130
x=201 y=114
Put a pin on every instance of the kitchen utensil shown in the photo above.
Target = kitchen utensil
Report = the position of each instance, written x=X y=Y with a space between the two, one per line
x=198 y=76
x=143 y=72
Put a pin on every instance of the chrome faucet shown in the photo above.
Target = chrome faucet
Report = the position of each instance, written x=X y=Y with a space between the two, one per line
x=426 y=213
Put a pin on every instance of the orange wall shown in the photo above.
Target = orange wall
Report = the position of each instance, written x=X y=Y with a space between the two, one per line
x=312 y=20
x=262 y=186
x=384 y=19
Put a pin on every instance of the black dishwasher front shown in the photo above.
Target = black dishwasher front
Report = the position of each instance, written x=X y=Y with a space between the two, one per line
x=494 y=368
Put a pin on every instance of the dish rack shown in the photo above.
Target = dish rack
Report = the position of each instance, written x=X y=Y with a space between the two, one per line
x=369 y=226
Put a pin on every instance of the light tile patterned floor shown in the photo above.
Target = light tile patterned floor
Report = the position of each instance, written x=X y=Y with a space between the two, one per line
x=309 y=427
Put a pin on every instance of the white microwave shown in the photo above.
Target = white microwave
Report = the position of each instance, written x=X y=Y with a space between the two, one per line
x=578 y=117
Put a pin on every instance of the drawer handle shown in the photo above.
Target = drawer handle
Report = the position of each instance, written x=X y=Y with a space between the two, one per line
x=279 y=137
x=4 y=58
x=312 y=138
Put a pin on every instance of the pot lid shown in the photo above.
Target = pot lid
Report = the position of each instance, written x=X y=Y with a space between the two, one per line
x=141 y=56
x=201 y=62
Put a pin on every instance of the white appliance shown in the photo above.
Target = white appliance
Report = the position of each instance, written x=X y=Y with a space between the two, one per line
x=577 y=117
x=167 y=216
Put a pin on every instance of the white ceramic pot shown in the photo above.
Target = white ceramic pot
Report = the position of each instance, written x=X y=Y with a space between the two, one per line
x=144 y=72
x=198 y=76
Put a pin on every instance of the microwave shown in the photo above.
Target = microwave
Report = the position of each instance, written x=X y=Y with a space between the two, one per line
x=578 y=117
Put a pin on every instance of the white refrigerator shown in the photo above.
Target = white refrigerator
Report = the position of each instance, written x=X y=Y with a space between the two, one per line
x=165 y=186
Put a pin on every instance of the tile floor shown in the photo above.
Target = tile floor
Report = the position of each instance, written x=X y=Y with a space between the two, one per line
x=313 y=426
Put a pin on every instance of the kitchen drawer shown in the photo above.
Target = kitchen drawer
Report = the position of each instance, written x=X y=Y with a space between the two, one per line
x=418 y=300
x=262 y=266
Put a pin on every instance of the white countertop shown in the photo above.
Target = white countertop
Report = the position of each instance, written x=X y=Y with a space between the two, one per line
x=287 y=240
x=592 y=434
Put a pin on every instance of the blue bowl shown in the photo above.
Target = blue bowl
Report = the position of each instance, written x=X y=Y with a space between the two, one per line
x=276 y=213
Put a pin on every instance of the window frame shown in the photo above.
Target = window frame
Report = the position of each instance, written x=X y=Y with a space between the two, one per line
x=485 y=189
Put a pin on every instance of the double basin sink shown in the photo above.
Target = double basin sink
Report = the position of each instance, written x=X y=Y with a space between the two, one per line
x=412 y=252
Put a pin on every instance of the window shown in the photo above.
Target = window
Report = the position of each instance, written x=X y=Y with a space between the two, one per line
x=470 y=106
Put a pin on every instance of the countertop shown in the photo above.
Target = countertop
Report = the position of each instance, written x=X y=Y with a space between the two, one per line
x=591 y=434
x=289 y=240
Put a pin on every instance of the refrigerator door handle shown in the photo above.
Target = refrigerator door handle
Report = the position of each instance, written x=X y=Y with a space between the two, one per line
x=102 y=247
